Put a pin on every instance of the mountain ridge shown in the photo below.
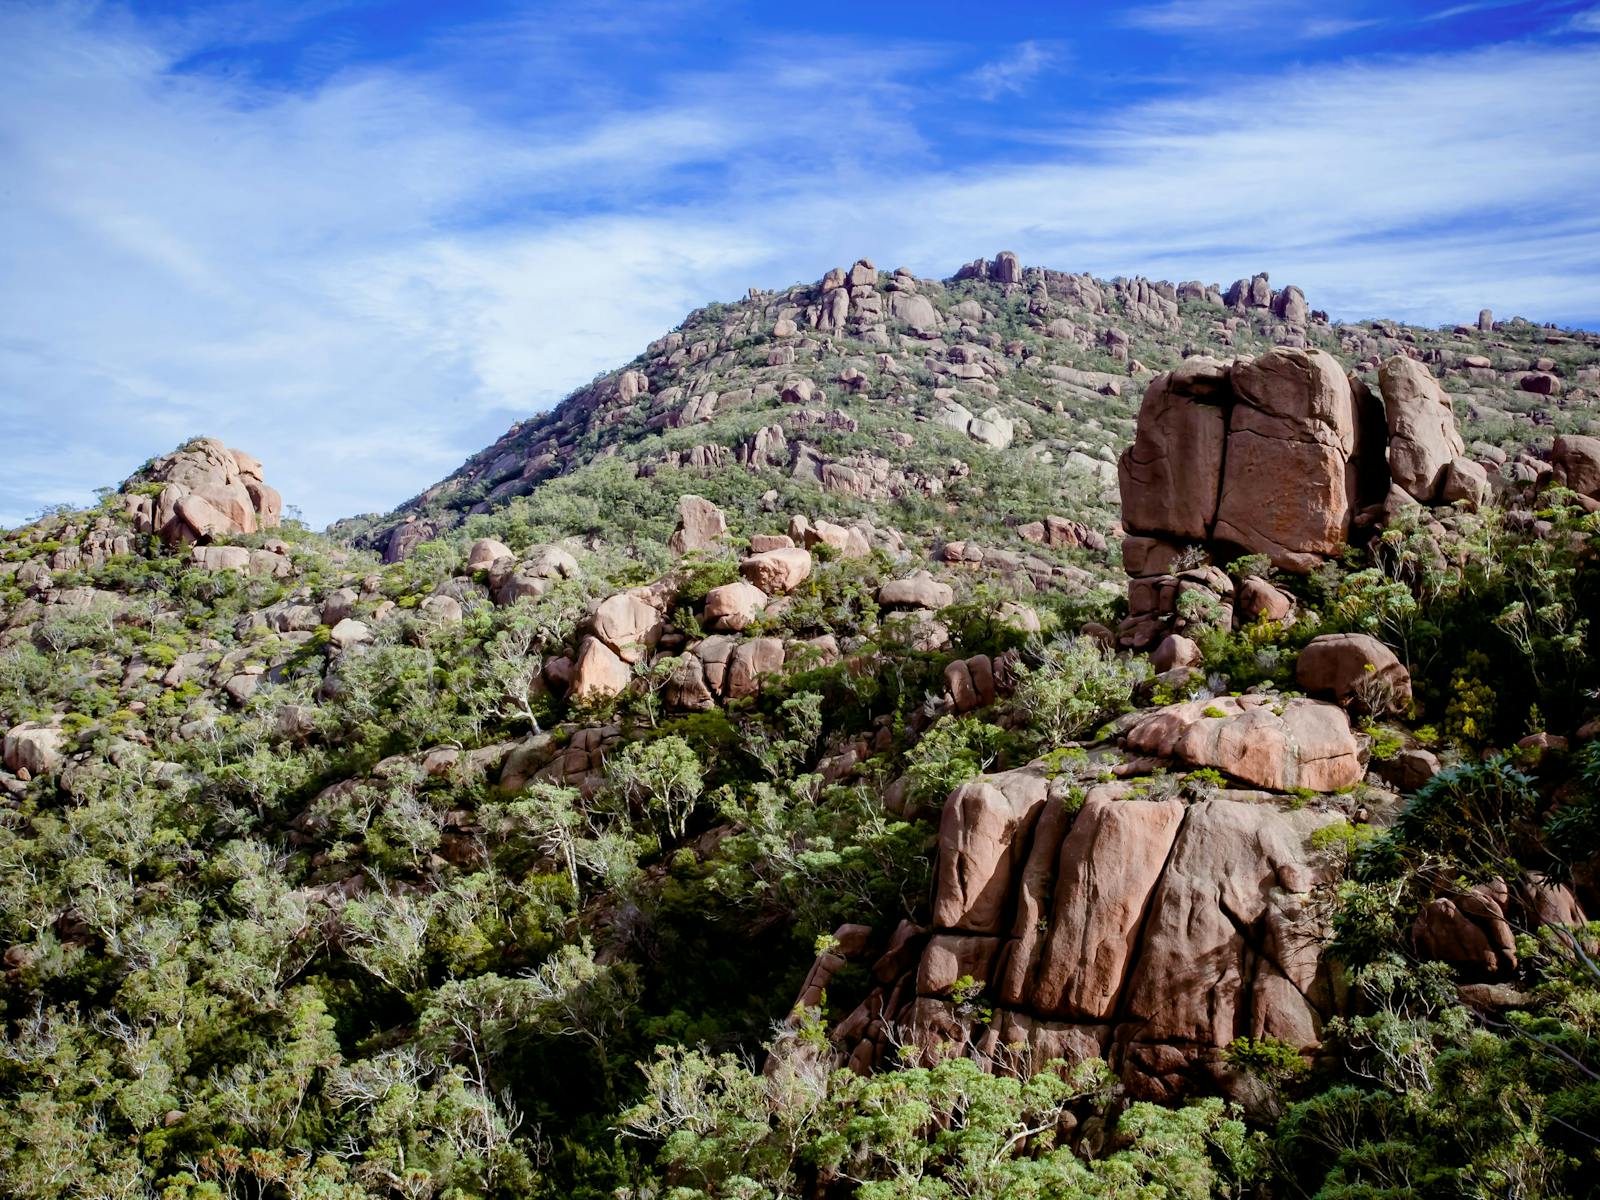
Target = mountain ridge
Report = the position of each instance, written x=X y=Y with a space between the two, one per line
x=1073 y=332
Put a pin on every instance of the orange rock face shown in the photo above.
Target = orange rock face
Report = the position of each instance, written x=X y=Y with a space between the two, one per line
x=210 y=491
x=1151 y=932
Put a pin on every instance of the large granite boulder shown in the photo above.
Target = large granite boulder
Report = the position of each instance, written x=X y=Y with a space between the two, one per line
x=1080 y=910
x=628 y=625
x=1262 y=740
x=701 y=526
x=1288 y=485
x=1423 y=439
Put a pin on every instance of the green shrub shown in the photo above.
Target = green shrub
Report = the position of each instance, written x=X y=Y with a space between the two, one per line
x=1475 y=815
x=952 y=751
x=1074 y=686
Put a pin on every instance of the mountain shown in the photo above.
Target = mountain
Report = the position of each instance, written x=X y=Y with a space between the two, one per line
x=1020 y=735
x=879 y=390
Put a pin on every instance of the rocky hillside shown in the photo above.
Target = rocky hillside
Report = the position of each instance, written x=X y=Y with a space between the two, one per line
x=888 y=397
x=1015 y=736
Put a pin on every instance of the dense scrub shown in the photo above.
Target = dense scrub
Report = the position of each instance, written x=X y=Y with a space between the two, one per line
x=343 y=932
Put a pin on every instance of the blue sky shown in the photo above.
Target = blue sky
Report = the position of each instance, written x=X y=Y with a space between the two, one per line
x=360 y=239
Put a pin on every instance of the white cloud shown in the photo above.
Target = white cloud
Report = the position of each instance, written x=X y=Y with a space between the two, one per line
x=1587 y=21
x=364 y=282
x=1186 y=18
x=1013 y=74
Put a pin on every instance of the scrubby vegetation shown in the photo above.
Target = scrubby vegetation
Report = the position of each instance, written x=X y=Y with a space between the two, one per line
x=300 y=909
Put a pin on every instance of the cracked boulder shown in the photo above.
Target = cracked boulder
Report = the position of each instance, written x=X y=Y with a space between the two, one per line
x=1149 y=931
x=1262 y=740
x=1272 y=456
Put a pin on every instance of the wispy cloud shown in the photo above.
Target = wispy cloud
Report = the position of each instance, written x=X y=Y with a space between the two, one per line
x=1187 y=18
x=1466 y=10
x=1587 y=21
x=1015 y=73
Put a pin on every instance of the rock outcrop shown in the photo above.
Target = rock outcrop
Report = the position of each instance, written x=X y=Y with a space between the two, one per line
x=1151 y=932
x=1253 y=457
x=1277 y=455
x=1283 y=456
x=206 y=491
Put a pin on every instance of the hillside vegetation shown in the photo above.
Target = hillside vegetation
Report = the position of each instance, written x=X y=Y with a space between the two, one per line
x=867 y=746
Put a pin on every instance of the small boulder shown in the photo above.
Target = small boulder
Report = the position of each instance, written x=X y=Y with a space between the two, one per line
x=777 y=572
x=1468 y=931
x=1408 y=770
x=959 y=687
x=33 y=747
x=1257 y=599
x=1360 y=672
x=446 y=610
x=348 y=634
x=485 y=552
x=1422 y=427
x=598 y=673
x=1175 y=651
x=921 y=590
x=847 y=540
x=993 y=428
x=1465 y=481
x=1542 y=743
x=733 y=605
x=338 y=605
x=222 y=558
x=749 y=662
x=1262 y=740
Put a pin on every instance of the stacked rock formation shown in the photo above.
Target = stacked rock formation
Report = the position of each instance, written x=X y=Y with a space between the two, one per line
x=207 y=491
x=1285 y=456
x=1139 y=929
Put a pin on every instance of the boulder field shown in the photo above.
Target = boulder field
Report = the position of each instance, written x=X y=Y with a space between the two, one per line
x=1108 y=908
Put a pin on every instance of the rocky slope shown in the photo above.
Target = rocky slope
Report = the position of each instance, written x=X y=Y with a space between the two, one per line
x=869 y=388
x=1019 y=669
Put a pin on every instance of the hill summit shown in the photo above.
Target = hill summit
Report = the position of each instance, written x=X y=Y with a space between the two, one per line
x=878 y=389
